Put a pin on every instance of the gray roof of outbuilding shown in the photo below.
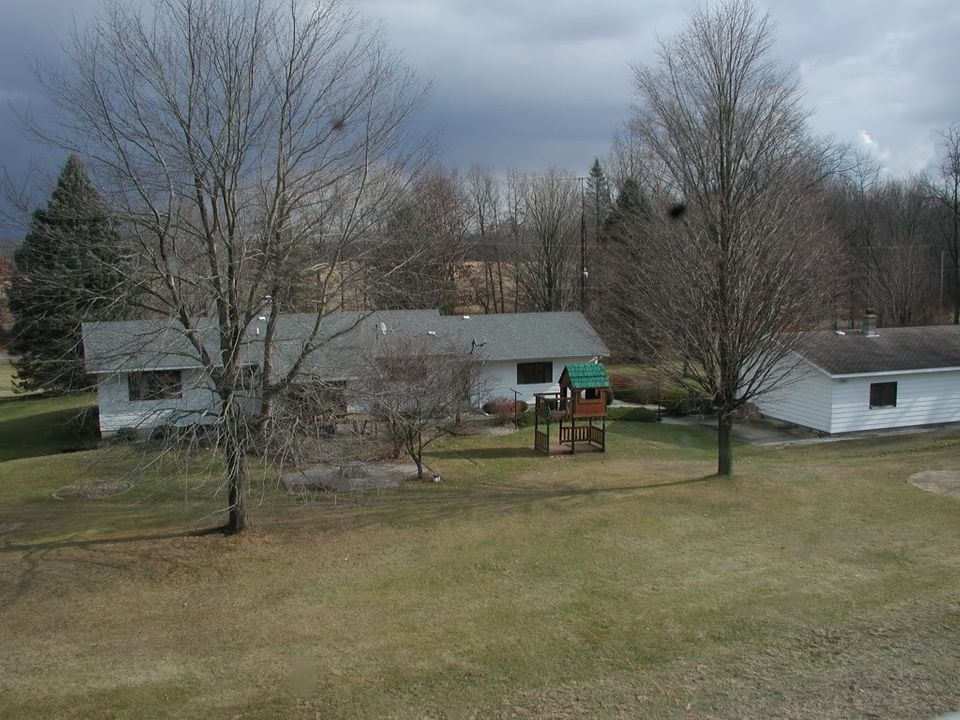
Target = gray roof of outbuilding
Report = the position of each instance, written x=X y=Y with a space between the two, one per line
x=890 y=350
x=130 y=345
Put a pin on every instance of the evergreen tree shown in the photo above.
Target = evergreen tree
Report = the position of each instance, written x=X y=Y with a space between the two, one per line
x=599 y=200
x=628 y=216
x=623 y=234
x=68 y=270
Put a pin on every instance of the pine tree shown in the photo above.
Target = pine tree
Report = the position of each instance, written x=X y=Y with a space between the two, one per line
x=599 y=200
x=68 y=270
x=628 y=216
x=623 y=232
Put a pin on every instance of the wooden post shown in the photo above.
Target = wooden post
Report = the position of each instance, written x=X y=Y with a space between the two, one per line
x=536 y=422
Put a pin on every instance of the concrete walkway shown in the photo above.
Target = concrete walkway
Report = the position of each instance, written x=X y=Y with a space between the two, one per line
x=753 y=433
x=766 y=433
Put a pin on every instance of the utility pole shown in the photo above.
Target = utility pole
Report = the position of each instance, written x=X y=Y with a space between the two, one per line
x=943 y=255
x=583 y=247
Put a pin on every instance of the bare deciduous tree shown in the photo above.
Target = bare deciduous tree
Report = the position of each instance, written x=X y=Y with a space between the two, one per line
x=248 y=145
x=483 y=192
x=897 y=253
x=418 y=387
x=420 y=263
x=739 y=254
x=548 y=270
x=946 y=189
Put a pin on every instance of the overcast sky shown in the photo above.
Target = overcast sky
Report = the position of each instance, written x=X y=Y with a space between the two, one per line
x=536 y=83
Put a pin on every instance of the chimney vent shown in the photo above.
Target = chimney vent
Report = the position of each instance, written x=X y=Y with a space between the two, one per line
x=868 y=325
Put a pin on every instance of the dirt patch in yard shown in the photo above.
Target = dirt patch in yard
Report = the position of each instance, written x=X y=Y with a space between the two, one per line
x=93 y=490
x=941 y=482
x=350 y=476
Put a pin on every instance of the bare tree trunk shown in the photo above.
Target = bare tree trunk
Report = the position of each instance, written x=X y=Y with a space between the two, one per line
x=503 y=302
x=419 y=457
x=955 y=253
x=725 y=444
x=237 y=481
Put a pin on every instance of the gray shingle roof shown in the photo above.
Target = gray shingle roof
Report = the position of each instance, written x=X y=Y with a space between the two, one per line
x=157 y=344
x=529 y=336
x=892 y=349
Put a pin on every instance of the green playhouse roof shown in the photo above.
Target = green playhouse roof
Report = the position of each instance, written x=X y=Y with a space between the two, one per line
x=587 y=375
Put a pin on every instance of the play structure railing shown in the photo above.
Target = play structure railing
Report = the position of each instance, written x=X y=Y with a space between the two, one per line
x=551 y=405
x=556 y=406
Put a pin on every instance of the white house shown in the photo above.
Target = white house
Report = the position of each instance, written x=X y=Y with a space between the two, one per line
x=149 y=372
x=870 y=380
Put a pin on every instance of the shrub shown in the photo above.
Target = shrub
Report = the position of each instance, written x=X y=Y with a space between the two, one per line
x=504 y=409
x=634 y=389
x=633 y=414
x=641 y=394
x=126 y=434
x=526 y=419
x=747 y=413
x=164 y=432
x=678 y=402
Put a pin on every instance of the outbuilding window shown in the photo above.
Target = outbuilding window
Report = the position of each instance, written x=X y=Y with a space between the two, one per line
x=154 y=385
x=534 y=373
x=883 y=395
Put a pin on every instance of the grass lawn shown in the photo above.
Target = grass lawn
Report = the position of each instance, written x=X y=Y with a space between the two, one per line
x=816 y=583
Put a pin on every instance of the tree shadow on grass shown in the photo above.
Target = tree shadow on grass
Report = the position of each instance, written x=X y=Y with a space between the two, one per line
x=420 y=509
x=80 y=562
x=93 y=542
x=48 y=433
x=46 y=562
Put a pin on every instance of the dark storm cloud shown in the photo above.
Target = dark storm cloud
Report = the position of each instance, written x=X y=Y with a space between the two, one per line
x=881 y=69
x=535 y=83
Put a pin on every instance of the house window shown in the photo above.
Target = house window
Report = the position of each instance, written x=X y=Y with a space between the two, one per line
x=154 y=385
x=534 y=373
x=591 y=394
x=883 y=395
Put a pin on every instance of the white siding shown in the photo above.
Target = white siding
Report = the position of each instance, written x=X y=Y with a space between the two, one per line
x=924 y=398
x=804 y=400
x=117 y=410
x=499 y=378
x=199 y=402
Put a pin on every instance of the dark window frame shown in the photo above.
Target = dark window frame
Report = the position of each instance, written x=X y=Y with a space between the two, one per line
x=532 y=373
x=883 y=395
x=154 y=385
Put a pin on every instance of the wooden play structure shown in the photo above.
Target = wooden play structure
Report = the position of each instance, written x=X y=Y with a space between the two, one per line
x=575 y=411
